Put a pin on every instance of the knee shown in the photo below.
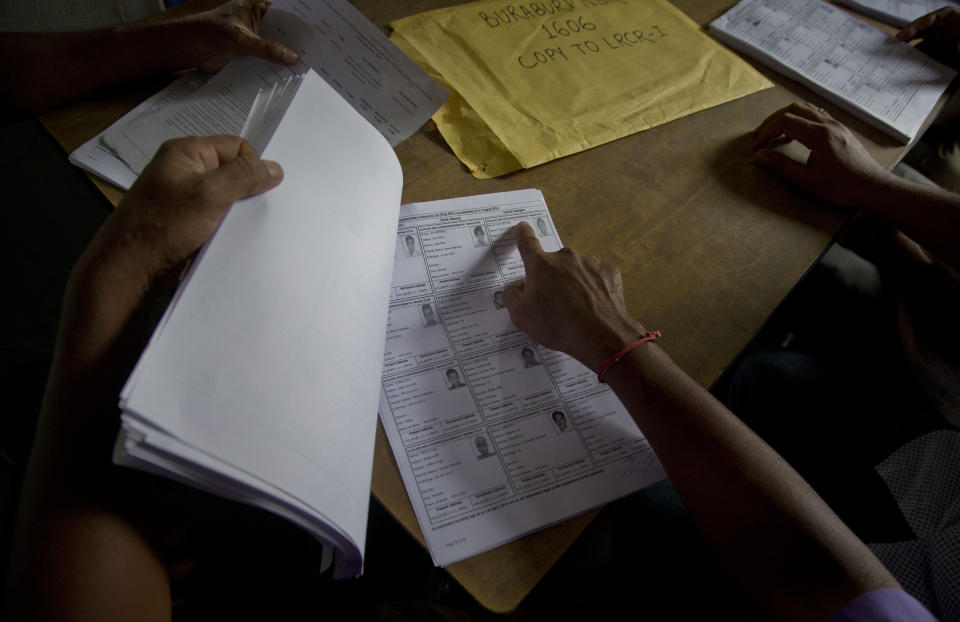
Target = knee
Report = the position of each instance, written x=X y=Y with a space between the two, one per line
x=772 y=384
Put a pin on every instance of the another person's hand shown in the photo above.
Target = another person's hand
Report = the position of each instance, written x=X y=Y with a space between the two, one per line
x=40 y=71
x=210 y=39
x=944 y=22
x=940 y=32
x=839 y=168
x=177 y=203
x=570 y=302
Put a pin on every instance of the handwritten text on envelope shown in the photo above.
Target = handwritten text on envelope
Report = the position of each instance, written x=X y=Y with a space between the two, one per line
x=535 y=81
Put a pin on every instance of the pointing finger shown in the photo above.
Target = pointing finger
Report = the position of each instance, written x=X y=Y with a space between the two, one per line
x=512 y=294
x=528 y=244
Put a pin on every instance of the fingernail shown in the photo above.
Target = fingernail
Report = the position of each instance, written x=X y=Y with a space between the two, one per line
x=275 y=170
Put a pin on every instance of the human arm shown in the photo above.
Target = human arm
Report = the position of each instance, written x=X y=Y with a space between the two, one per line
x=766 y=523
x=841 y=171
x=39 y=71
x=82 y=547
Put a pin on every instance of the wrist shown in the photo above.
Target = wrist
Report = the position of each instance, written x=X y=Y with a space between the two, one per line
x=151 y=47
x=639 y=365
x=649 y=337
x=607 y=340
x=117 y=265
x=876 y=191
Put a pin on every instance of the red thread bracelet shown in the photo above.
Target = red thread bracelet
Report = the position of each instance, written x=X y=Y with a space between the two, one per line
x=610 y=362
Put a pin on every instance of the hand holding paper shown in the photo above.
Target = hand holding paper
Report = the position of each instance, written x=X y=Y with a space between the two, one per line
x=182 y=196
x=210 y=39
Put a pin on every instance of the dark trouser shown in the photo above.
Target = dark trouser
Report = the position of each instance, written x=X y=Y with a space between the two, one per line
x=839 y=397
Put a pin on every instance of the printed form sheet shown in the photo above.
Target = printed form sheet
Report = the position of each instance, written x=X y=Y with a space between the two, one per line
x=97 y=157
x=495 y=435
x=854 y=64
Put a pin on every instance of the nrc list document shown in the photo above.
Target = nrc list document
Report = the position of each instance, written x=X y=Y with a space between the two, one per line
x=495 y=435
x=860 y=68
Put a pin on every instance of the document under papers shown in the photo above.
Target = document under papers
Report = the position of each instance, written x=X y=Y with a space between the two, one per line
x=495 y=435
x=898 y=12
x=537 y=81
x=863 y=70
x=378 y=80
x=95 y=157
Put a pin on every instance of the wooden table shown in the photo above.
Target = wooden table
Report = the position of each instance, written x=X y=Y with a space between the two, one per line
x=708 y=245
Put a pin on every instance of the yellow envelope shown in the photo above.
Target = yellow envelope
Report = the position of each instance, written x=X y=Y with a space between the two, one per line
x=537 y=80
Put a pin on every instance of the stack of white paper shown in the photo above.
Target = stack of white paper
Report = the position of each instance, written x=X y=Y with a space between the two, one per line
x=260 y=382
